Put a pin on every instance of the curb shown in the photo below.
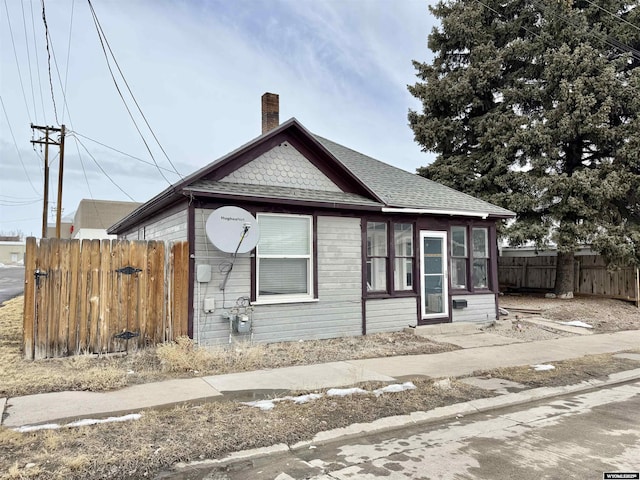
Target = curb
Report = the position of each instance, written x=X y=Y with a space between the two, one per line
x=388 y=424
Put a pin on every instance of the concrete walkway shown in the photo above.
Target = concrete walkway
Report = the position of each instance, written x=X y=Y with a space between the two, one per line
x=61 y=407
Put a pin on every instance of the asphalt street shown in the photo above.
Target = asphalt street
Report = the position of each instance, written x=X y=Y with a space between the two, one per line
x=11 y=282
x=576 y=436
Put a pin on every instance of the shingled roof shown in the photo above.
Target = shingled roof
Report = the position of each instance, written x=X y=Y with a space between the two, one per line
x=401 y=189
x=376 y=185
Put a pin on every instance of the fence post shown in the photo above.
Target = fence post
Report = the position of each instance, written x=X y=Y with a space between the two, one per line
x=638 y=287
x=29 y=309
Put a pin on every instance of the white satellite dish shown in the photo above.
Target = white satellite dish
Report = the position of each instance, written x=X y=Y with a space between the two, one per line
x=232 y=230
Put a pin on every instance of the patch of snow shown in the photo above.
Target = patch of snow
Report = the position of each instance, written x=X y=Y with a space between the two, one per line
x=577 y=323
x=305 y=398
x=269 y=404
x=543 y=367
x=263 y=404
x=34 y=428
x=343 y=392
x=394 y=388
x=92 y=421
x=78 y=423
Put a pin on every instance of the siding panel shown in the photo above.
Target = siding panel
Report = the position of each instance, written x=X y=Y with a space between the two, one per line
x=336 y=313
x=391 y=314
x=480 y=308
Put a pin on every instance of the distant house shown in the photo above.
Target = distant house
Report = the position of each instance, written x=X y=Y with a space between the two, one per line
x=12 y=249
x=348 y=245
x=93 y=217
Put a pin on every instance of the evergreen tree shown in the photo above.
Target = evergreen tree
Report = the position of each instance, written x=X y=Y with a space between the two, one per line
x=533 y=105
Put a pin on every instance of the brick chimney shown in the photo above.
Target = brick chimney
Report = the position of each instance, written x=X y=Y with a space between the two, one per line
x=270 y=112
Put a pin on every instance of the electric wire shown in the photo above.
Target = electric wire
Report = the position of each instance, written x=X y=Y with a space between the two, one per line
x=608 y=39
x=48 y=38
x=86 y=179
x=66 y=73
x=26 y=41
x=122 y=97
x=17 y=149
x=15 y=54
x=120 y=151
x=35 y=50
x=614 y=15
x=106 y=41
x=103 y=171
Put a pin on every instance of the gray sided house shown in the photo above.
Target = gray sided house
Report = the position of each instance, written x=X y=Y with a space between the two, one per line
x=348 y=245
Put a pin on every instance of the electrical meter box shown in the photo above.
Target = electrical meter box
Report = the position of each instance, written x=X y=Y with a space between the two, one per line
x=203 y=273
x=209 y=305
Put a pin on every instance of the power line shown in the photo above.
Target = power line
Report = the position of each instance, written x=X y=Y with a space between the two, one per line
x=16 y=145
x=119 y=151
x=47 y=37
x=66 y=73
x=26 y=42
x=35 y=49
x=106 y=41
x=15 y=54
x=608 y=39
x=102 y=170
x=614 y=15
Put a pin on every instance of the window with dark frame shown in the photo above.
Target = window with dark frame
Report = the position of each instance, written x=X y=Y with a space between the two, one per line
x=377 y=252
x=480 y=257
x=390 y=258
x=459 y=257
x=403 y=256
x=469 y=254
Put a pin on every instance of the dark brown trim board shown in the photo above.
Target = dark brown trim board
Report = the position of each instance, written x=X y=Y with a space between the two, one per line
x=191 y=239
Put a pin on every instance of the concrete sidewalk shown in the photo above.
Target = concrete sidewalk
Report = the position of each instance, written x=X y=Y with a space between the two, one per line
x=61 y=407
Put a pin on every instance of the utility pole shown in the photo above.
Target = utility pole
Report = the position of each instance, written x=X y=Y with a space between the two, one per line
x=46 y=141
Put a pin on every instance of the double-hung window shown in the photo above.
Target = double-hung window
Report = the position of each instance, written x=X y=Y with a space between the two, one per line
x=377 y=252
x=284 y=258
x=390 y=258
x=459 y=257
x=470 y=257
x=480 y=258
x=403 y=250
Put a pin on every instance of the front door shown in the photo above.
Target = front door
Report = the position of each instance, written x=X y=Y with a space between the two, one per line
x=433 y=272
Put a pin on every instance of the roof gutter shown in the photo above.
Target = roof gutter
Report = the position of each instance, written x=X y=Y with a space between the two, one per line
x=428 y=211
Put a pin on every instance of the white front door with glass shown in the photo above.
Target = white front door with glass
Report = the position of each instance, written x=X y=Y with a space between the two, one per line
x=433 y=272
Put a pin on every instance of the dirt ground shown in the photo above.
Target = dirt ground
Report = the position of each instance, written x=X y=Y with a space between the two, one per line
x=187 y=433
x=605 y=315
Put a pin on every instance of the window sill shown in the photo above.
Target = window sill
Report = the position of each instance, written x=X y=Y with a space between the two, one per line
x=282 y=300
x=477 y=291
x=391 y=295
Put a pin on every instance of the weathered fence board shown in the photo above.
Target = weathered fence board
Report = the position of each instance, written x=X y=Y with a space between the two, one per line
x=591 y=276
x=89 y=295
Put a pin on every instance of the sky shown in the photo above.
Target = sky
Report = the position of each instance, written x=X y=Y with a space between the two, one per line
x=197 y=69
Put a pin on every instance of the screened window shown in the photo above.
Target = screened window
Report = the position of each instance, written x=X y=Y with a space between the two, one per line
x=458 y=257
x=377 y=252
x=403 y=247
x=284 y=256
x=480 y=257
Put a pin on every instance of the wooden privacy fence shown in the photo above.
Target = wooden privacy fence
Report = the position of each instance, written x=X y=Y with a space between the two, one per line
x=591 y=276
x=102 y=296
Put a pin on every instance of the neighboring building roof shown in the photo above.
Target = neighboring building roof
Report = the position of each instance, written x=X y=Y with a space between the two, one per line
x=101 y=214
x=367 y=183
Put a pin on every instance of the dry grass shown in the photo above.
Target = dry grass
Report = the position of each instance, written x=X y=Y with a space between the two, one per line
x=566 y=372
x=162 y=438
x=177 y=359
x=605 y=314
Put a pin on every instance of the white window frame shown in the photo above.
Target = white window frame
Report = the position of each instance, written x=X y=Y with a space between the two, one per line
x=287 y=298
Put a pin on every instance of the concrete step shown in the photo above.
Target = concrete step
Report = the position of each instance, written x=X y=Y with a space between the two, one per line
x=454 y=328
